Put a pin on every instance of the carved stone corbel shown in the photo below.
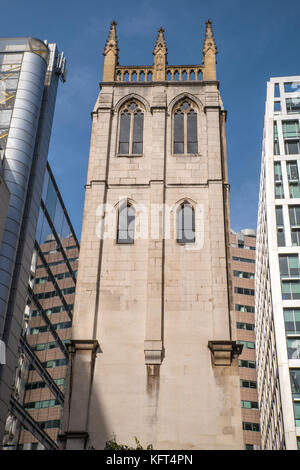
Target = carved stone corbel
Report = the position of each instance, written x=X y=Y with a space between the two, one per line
x=153 y=352
x=223 y=352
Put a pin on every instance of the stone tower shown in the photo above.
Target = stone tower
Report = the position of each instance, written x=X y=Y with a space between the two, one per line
x=153 y=353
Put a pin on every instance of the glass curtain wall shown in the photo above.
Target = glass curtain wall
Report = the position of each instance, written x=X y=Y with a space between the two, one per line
x=47 y=319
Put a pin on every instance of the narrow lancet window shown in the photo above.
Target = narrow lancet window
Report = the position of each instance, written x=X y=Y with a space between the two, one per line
x=124 y=133
x=131 y=129
x=178 y=132
x=185 y=128
x=126 y=223
x=137 y=140
x=186 y=223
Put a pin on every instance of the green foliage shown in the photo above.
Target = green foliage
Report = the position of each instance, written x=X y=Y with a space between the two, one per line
x=113 y=445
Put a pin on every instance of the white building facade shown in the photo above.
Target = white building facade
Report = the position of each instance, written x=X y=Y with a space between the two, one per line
x=277 y=297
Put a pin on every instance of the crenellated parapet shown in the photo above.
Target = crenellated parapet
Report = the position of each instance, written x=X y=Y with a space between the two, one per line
x=160 y=71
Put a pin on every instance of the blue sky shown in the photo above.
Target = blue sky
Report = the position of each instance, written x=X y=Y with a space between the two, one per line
x=256 y=40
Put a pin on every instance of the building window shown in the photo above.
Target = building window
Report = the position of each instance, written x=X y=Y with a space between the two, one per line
x=55 y=363
x=245 y=326
x=249 y=447
x=44 y=346
x=42 y=404
x=293 y=105
x=291 y=129
x=293 y=348
x=280 y=226
x=289 y=266
x=291 y=134
x=54 y=423
x=291 y=87
x=295 y=382
x=251 y=426
x=247 y=363
x=131 y=129
x=279 y=194
x=292 y=320
x=293 y=178
x=250 y=405
x=292 y=147
x=37 y=385
x=126 y=223
x=294 y=213
x=276 y=141
x=243 y=260
x=290 y=290
x=247 y=344
x=186 y=223
x=243 y=291
x=248 y=384
x=49 y=311
x=277 y=106
x=54 y=293
x=50 y=364
x=242 y=246
x=243 y=274
x=185 y=128
x=44 y=328
x=297 y=413
x=244 y=308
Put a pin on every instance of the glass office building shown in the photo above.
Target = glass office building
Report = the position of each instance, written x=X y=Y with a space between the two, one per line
x=29 y=74
x=38 y=393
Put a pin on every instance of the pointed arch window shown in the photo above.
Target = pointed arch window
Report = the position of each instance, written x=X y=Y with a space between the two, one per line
x=126 y=223
x=186 y=223
x=185 y=128
x=131 y=129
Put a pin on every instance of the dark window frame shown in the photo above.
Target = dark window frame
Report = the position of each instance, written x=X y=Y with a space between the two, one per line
x=185 y=133
x=181 y=228
x=131 y=131
x=129 y=226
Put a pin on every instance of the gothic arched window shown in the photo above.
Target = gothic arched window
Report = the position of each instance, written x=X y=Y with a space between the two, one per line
x=185 y=128
x=126 y=223
x=131 y=129
x=186 y=223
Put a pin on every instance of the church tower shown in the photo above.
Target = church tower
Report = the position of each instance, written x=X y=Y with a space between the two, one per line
x=153 y=353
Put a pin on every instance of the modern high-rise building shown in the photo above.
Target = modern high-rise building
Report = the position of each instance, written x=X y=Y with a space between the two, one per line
x=243 y=270
x=154 y=351
x=277 y=301
x=37 y=394
x=29 y=73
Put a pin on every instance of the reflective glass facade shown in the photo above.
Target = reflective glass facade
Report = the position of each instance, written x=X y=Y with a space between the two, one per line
x=47 y=321
x=11 y=57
